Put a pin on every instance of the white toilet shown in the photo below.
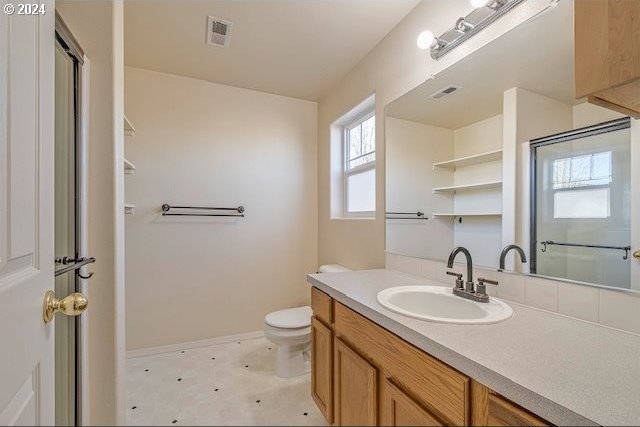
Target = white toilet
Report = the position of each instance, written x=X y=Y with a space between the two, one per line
x=290 y=330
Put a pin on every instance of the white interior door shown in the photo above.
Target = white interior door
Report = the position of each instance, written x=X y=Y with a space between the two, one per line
x=26 y=215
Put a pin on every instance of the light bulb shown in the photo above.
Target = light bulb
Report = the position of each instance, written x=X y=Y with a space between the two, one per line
x=425 y=40
x=478 y=3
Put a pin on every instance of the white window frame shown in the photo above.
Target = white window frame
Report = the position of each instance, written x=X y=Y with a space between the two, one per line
x=358 y=169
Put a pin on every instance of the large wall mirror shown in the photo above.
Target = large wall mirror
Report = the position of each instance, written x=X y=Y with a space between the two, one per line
x=489 y=153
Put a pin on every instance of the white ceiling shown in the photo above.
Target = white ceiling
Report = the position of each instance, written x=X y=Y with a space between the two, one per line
x=297 y=48
x=537 y=56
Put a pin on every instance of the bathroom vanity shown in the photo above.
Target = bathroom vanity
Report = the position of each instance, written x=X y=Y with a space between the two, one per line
x=371 y=366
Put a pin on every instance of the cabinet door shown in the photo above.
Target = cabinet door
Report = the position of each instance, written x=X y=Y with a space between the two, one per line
x=399 y=409
x=504 y=413
x=607 y=44
x=607 y=54
x=355 y=388
x=321 y=368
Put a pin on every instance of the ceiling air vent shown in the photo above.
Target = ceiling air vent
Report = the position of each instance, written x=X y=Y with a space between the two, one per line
x=218 y=31
x=444 y=92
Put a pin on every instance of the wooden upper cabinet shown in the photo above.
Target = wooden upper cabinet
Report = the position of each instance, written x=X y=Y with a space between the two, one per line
x=607 y=53
x=397 y=408
x=321 y=368
x=355 y=388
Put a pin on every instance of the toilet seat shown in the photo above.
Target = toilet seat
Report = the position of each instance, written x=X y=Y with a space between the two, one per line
x=290 y=318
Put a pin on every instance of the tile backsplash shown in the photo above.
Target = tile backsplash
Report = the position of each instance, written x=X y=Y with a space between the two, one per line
x=615 y=309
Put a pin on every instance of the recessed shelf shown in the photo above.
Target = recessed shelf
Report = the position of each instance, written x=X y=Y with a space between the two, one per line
x=454 y=215
x=129 y=208
x=129 y=168
x=129 y=130
x=489 y=156
x=478 y=186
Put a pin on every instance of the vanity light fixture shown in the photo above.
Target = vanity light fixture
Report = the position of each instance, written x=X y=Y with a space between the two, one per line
x=484 y=14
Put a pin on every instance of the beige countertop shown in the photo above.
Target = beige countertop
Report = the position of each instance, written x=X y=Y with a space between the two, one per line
x=568 y=371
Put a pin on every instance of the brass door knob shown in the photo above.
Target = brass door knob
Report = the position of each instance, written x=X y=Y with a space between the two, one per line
x=72 y=305
x=636 y=254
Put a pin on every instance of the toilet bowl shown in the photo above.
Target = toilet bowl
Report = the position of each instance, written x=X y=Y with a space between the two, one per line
x=290 y=330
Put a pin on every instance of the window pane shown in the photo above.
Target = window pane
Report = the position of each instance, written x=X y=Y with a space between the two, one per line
x=602 y=165
x=362 y=192
x=581 y=203
x=369 y=135
x=561 y=173
x=355 y=142
x=580 y=169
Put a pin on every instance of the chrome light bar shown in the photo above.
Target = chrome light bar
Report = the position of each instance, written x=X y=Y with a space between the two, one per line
x=473 y=23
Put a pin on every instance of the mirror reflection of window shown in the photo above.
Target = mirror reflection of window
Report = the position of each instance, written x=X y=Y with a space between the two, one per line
x=581 y=185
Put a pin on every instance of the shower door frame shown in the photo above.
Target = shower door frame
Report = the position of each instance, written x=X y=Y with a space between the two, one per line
x=65 y=38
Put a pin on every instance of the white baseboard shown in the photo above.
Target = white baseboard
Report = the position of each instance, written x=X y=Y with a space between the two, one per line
x=193 y=344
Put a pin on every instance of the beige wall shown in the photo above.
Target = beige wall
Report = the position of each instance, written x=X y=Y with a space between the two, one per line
x=98 y=27
x=392 y=68
x=199 y=143
x=478 y=137
x=411 y=149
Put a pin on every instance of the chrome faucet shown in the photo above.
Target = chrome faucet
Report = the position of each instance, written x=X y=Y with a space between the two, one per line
x=469 y=283
x=506 y=249
x=469 y=290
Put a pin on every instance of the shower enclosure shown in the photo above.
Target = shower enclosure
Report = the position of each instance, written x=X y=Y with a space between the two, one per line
x=581 y=205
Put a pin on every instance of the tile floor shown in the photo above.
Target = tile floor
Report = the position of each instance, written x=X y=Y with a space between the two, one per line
x=227 y=384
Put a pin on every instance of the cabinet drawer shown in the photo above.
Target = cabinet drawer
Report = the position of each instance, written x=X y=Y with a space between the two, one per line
x=321 y=304
x=440 y=389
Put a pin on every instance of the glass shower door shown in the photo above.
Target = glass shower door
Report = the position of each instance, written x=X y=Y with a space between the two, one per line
x=581 y=213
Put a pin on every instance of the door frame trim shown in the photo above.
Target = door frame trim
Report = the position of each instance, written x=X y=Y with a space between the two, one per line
x=73 y=49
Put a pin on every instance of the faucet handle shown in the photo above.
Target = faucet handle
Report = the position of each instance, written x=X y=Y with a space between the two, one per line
x=482 y=287
x=459 y=282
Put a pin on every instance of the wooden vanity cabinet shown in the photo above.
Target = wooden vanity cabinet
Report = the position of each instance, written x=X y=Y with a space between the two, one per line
x=363 y=374
x=607 y=54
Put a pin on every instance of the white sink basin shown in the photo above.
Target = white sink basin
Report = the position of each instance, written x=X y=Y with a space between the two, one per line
x=439 y=304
